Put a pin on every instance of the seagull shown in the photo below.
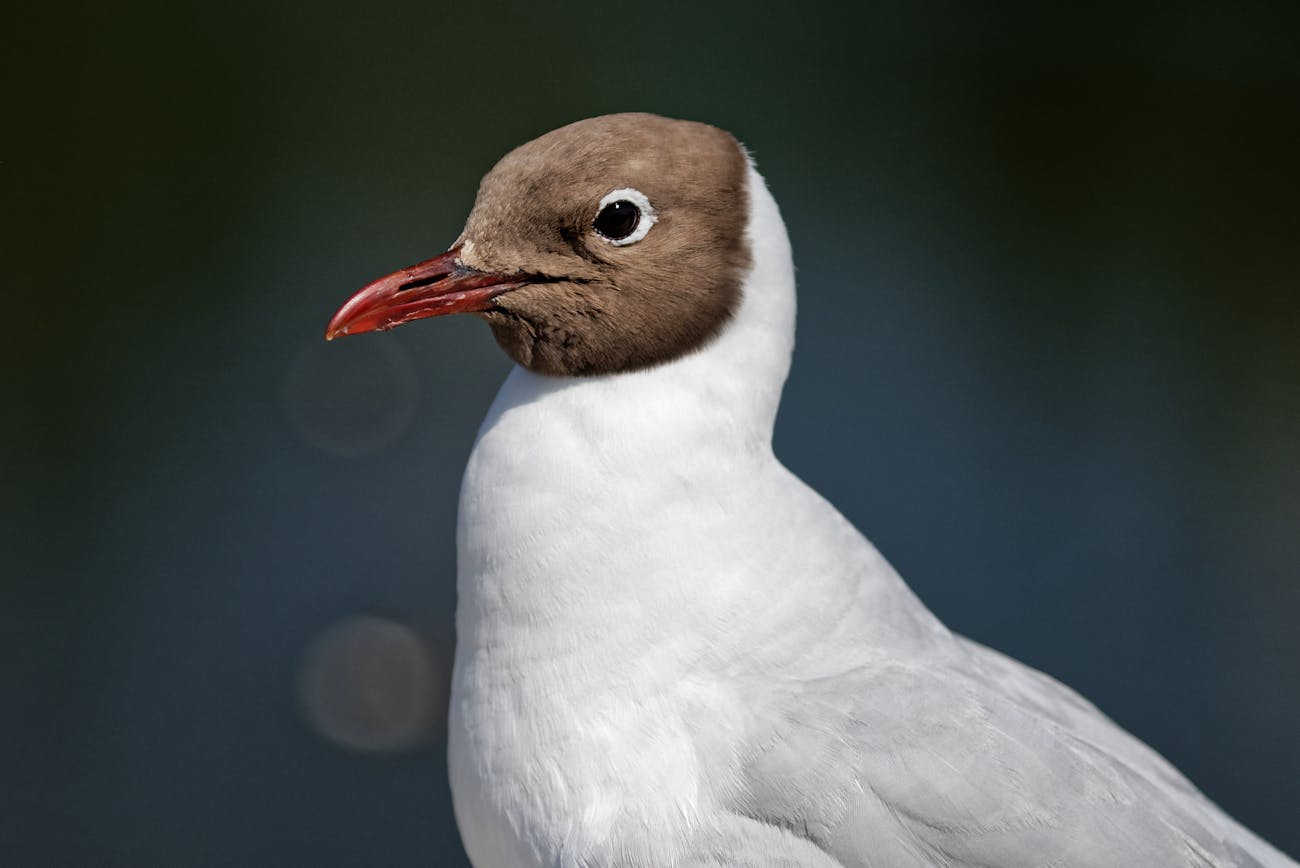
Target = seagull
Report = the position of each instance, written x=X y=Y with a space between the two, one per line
x=671 y=652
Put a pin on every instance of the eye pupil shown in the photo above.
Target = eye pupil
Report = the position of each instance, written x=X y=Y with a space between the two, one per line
x=618 y=220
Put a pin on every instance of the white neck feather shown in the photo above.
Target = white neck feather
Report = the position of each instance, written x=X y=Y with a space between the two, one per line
x=591 y=465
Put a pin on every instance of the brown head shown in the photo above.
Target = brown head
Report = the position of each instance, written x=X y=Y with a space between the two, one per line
x=608 y=245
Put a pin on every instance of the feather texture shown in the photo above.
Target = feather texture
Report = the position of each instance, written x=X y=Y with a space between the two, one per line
x=671 y=652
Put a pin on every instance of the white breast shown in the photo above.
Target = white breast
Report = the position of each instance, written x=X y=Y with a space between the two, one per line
x=577 y=619
x=626 y=544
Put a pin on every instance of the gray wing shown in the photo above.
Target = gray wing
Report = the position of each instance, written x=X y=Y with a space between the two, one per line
x=742 y=842
x=977 y=760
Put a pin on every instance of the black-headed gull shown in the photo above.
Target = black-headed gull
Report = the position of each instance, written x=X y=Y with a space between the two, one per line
x=672 y=652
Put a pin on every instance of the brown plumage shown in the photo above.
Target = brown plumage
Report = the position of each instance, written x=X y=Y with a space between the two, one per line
x=601 y=308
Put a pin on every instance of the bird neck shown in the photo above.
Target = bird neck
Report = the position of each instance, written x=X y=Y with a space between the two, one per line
x=571 y=476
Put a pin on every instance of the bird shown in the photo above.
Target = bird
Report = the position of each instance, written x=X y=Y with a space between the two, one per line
x=673 y=653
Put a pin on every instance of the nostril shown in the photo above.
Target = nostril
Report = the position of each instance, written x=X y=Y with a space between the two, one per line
x=422 y=281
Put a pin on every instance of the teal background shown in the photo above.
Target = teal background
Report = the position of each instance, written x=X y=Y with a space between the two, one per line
x=1047 y=361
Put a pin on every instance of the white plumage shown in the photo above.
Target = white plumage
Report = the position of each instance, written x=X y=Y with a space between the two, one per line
x=671 y=652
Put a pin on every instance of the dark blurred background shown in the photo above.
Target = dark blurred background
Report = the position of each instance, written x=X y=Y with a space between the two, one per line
x=1048 y=360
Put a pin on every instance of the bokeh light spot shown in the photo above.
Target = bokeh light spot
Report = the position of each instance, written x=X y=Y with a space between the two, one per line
x=371 y=684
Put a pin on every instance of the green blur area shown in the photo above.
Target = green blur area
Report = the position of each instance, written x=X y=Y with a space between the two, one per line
x=1049 y=268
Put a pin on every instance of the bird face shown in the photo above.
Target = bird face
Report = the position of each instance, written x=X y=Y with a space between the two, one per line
x=610 y=245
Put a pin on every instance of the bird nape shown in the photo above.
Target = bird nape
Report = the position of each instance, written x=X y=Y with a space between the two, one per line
x=670 y=650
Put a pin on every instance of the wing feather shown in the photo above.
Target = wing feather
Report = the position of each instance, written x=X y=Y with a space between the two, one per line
x=972 y=759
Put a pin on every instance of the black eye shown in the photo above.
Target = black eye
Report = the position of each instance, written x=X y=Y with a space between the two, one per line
x=618 y=220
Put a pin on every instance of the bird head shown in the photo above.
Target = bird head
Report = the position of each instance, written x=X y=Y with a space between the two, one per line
x=609 y=245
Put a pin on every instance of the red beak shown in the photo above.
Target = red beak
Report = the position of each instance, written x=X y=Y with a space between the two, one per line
x=435 y=287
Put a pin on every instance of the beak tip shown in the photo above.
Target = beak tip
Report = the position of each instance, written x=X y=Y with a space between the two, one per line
x=434 y=287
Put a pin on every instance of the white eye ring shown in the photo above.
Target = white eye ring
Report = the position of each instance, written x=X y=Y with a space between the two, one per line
x=637 y=198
